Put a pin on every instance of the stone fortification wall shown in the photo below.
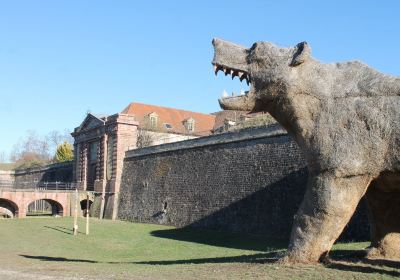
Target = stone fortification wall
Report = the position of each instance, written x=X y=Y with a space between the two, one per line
x=252 y=181
x=158 y=138
x=33 y=177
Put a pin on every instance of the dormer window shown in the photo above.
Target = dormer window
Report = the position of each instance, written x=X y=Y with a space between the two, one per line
x=189 y=125
x=152 y=120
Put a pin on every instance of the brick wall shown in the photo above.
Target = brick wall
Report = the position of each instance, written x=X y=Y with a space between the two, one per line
x=251 y=181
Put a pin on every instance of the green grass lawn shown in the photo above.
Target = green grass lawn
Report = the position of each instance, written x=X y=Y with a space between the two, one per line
x=122 y=250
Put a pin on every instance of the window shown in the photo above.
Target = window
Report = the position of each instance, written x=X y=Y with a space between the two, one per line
x=152 y=120
x=93 y=152
x=189 y=124
x=168 y=126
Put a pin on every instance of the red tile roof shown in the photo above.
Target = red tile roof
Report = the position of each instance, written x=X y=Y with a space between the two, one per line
x=203 y=125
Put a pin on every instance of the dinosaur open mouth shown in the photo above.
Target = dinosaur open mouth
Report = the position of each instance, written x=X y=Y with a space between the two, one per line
x=243 y=101
x=242 y=75
x=232 y=60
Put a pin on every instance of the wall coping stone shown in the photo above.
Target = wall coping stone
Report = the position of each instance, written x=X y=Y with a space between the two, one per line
x=6 y=172
x=10 y=190
x=273 y=130
x=43 y=168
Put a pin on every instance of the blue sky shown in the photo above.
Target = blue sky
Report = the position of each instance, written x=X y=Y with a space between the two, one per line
x=60 y=59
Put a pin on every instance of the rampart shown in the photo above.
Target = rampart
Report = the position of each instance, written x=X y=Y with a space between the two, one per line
x=250 y=181
x=33 y=177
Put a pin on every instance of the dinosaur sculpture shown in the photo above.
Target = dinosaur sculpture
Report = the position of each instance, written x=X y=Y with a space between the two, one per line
x=345 y=119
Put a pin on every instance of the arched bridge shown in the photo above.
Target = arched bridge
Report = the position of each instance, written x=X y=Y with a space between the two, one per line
x=14 y=202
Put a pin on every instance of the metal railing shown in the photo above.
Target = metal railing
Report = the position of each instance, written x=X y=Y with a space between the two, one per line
x=57 y=186
x=39 y=186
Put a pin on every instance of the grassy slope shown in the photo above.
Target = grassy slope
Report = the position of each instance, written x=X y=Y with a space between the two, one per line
x=122 y=250
x=7 y=166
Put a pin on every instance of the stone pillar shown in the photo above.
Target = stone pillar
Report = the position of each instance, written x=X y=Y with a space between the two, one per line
x=103 y=174
x=22 y=205
x=84 y=166
x=75 y=164
x=78 y=165
x=126 y=137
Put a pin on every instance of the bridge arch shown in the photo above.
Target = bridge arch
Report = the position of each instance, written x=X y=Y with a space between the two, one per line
x=84 y=209
x=8 y=208
x=56 y=207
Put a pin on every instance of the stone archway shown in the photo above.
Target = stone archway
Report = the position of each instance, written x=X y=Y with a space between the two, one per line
x=8 y=208
x=56 y=208
x=84 y=209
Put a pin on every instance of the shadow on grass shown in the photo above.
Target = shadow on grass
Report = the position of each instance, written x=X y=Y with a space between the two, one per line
x=356 y=261
x=341 y=254
x=63 y=230
x=361 y=267
x=56 y=259
x=222 y=239
x=255 y=258
x=377 y=266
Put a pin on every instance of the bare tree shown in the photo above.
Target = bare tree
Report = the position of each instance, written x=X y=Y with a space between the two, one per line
x=31 y=150
x=144 y=138
x=3 y=157
x=56 y=138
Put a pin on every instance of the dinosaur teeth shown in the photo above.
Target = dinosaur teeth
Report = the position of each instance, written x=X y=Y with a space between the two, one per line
x=226 y=71
x=234 y=74
x=216 y=69
x=241 y=74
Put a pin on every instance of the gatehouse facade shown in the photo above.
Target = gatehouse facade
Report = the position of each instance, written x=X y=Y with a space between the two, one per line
x=100 y=143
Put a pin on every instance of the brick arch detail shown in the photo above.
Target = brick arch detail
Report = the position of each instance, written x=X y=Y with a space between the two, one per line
x=13 y=204
x=23 y=198
x=57 y=207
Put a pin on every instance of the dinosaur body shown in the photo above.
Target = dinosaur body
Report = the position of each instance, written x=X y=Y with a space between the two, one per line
x=345 y=118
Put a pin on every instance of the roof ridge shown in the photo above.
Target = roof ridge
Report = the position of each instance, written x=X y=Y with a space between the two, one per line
x=163 y=107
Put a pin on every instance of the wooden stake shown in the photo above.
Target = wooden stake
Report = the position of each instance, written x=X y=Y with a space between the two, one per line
x=87 y=214
x=75 y=229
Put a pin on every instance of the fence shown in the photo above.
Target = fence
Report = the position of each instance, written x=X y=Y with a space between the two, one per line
x=40 y=186
x=64 y=186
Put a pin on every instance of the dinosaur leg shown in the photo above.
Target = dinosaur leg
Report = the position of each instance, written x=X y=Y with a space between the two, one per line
x=384 y=215
x=327 y=207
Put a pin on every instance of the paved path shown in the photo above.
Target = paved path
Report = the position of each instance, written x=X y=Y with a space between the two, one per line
x=18 y=275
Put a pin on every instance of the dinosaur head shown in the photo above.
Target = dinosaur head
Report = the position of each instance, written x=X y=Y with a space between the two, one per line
x=268 y=70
